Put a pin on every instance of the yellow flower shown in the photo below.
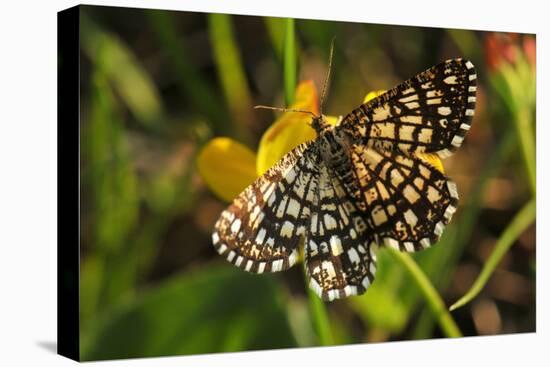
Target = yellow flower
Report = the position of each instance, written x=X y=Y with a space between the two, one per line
x=228 y=167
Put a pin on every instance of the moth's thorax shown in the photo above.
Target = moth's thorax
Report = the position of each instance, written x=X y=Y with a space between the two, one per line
x=333 y=146
x=320 y=124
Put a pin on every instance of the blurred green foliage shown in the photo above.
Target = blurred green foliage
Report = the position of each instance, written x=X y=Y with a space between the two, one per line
x=114 y=59
x=198 y=312
x=113 y=197
x=157 y=85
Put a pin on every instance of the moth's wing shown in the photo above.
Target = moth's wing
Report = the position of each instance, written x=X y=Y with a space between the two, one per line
x=431 y=112
x=259 y=232
x=340 y=258
x=409 y=202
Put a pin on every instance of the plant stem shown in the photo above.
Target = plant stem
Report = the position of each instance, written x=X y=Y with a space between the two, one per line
x=317 y=307
x=289 y=62
x=446 y=321
x=463 y=229
x=525 y=133
x=521 y=221
x=320 y=319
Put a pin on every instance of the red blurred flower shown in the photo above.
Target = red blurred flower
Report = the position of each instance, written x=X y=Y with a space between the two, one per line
x=506 y=48
x=500 y=47
x=530 y=49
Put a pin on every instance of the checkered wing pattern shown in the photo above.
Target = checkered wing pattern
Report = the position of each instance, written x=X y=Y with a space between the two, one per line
x=359 y=185
x=409 y=202
x=340 y=258
x=429 y=113
x=260 y=231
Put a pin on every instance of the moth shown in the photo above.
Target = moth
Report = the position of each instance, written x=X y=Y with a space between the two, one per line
x=357 y=186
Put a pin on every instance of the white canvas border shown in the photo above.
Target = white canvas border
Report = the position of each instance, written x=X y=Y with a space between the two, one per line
x=28 y=185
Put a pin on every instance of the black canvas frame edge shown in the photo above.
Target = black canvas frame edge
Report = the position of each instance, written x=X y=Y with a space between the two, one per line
x=68 y=182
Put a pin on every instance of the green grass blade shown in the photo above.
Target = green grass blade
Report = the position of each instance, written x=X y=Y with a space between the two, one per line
x=517 y=90
x=116 y=60
x=319 y=317
x=444 y=318
x=518 y=87
x=317 y=307
x=231 y=72
x=463 y=229
x=521 y=221
x=276 y=30
x=527 y=140
x=289 y=61
x=193 y=84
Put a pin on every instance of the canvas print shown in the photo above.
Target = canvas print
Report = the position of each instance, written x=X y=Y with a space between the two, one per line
x=252 y=182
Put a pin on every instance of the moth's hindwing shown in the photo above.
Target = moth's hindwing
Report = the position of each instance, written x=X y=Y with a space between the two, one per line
x=409 y=201
x=340 y=255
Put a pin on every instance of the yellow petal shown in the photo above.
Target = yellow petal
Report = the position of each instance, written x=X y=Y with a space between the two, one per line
x=372 y=95
x=431 y=159
x=332 y=120
x=227 y=167
x=289 y=130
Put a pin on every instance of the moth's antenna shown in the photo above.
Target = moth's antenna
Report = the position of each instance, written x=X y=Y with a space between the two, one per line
x=327 y=79
x=284 y=109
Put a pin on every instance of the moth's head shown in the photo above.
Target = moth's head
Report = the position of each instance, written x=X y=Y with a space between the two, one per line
x=319 y=123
